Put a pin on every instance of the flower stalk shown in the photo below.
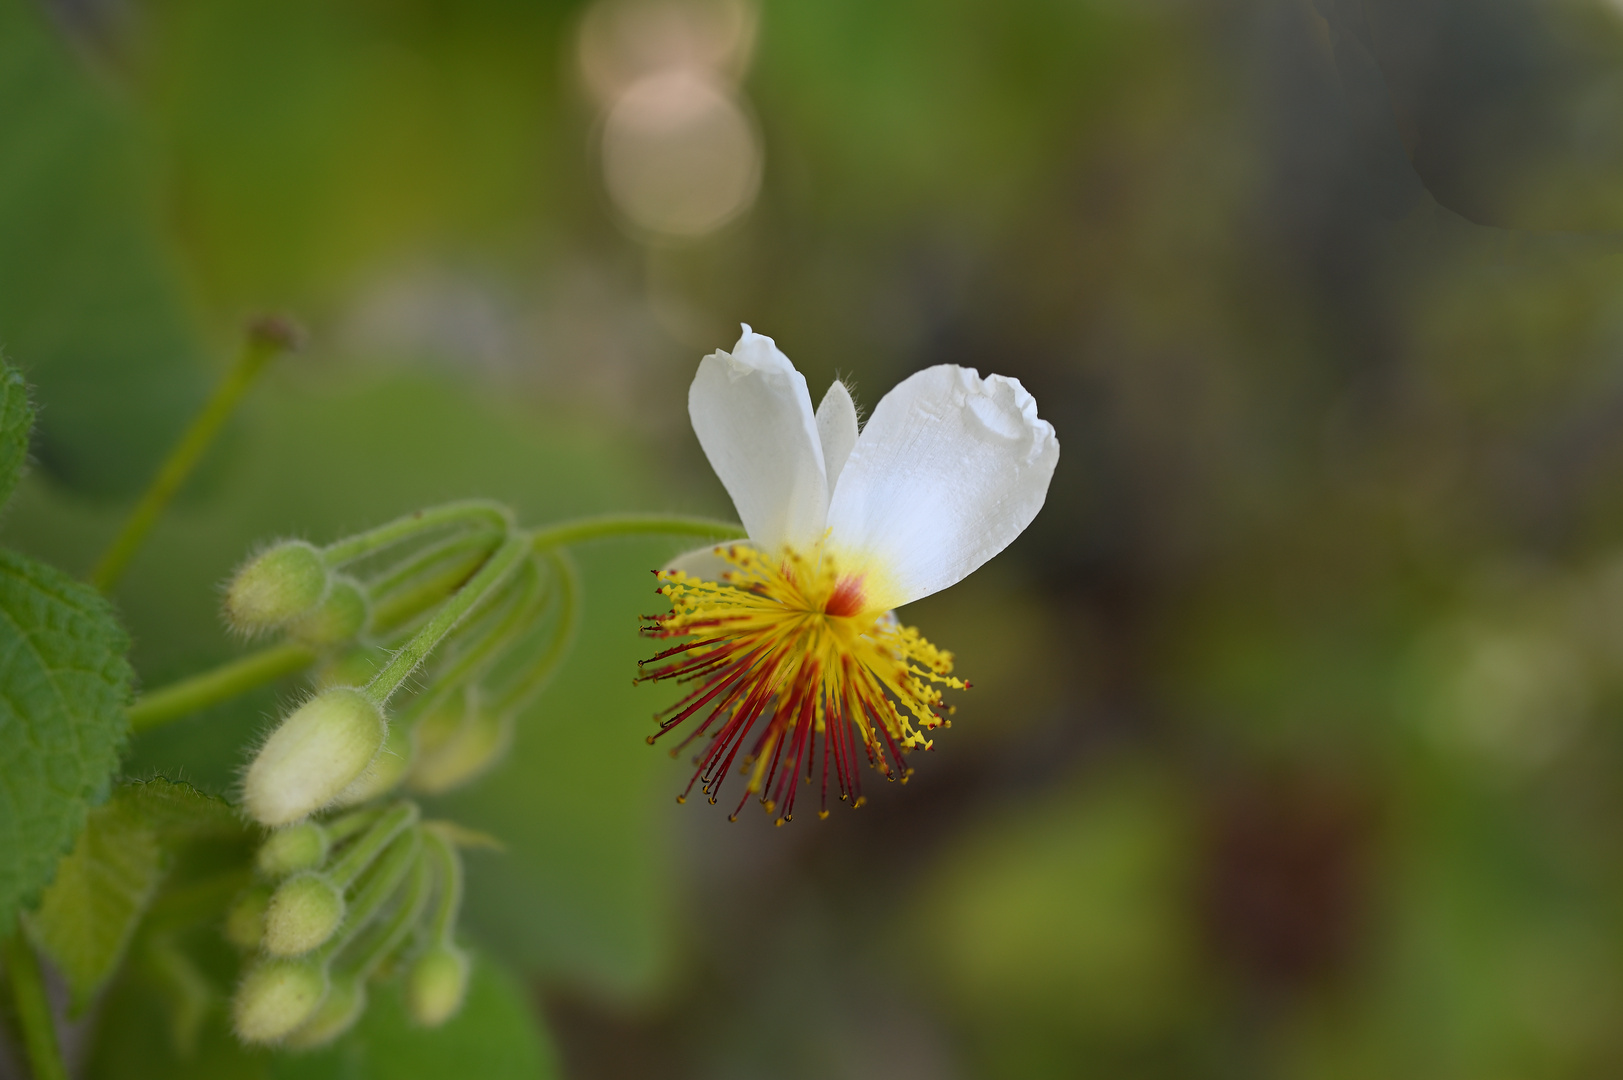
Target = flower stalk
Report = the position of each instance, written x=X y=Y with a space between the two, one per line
x=267 y=339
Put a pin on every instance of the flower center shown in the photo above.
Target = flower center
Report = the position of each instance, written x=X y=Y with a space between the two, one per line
x=786 y=653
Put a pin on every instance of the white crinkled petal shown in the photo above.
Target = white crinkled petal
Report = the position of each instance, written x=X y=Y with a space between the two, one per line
x=946 y=473
x=753 y=416
x=837 y=430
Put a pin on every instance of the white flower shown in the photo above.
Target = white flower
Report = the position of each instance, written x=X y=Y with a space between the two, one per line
x=795 y=628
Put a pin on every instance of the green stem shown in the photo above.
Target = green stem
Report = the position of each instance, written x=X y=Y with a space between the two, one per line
x=527 y=685
x=457 y=550
x=393 y=612
x=599 y=528
x=188 y=695
x=484 y=645
x=223 y=683
x=468 y=511
x=374 y=890
x=447 y=867
x=340 y=829
x=261 y=347
x=33 y=1009
x=359 y=855
x=366 y=951
x=406 y=659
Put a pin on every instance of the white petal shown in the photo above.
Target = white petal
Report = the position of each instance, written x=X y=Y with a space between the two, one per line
x=836 y=429
x=948 y=471
x=753 y=416
x=701 y=563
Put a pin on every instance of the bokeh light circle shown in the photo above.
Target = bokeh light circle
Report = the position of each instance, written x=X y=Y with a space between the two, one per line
x=681 y=156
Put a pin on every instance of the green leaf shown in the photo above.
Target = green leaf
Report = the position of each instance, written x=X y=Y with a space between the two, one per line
x=103 y=887
x=494 y=1037
x=16 y=422
x=64 y=684
x=91 y=303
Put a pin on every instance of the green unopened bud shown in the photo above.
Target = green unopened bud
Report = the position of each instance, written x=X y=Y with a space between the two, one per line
x=338 y=1012
x=341 y=616
x=276 y=587
x=385 y=772
x=436 y=984
x=291 y=849
x=317 y=752
x=304 y=912
x=245 y=921
x=449 y=759
x=276 y=997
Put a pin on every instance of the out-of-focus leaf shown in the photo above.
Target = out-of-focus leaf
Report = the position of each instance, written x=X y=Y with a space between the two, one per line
x=494 y=1037
x=64 y=683
x=16 y=423
x=89 y=303
x=103 y=886
x=1061 y=926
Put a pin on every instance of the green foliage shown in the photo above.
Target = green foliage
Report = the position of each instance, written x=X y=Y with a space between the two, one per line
x=103 y=887
x=64 y=683
x=76 y=237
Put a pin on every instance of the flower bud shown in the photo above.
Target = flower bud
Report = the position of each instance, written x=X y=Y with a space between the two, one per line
x=449 y=760
x=291 y=849
x=245 y=921
x=436 y=984
x=337 y=1013
x=317 y=752
x=341 y=616
x=385 y=772
x=275 y=997
x=276 y=587
x=304 y=911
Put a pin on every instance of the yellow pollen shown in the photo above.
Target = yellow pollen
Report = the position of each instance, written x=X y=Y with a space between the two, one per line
x=785 y=652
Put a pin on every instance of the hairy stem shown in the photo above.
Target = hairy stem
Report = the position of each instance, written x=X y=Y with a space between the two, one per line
x=195 y=692
x=455 y=551
x=467 y=512
x=262 y=346
x=359 y=855
x=33 y=1009
x=486 y=582
x=548 y=537
x=375 y=888
x=223 y=683
x=372 y=947
x=535 y=677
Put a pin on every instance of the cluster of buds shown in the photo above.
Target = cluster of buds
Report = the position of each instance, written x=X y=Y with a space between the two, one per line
x=337 y=904
x=455 y=605
x=458 y=589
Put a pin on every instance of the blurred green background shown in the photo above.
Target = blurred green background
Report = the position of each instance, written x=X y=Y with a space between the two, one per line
x=1293 y=750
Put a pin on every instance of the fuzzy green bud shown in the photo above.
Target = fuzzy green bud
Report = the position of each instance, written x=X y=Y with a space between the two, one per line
x=341 y=616
x=291 y=849
x=385 y=772
x=275 y=587
x=275 y=997
x=245 y=921
x=436 y=984
x=318 y=751
x=304 y=912
x=449 y=759
x=337 y=1013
